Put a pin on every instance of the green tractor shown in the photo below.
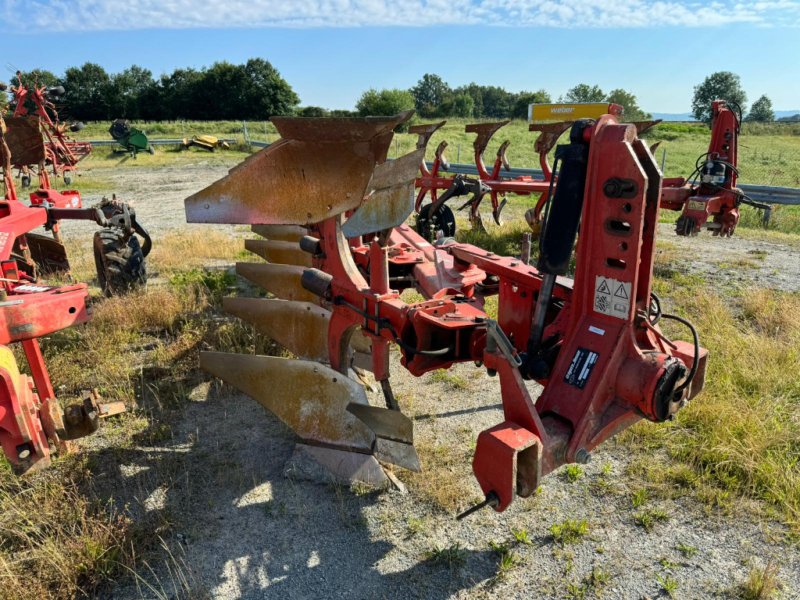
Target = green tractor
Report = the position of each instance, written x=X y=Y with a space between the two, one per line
x=129 y=138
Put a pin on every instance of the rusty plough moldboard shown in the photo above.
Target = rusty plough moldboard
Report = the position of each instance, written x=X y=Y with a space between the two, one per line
x=330 y=210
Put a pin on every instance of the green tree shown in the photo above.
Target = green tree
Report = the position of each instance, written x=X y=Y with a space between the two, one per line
x=761 y=111
x=87 y=89
x=525 y=99
x=266 y=93
x=181 y=94
x=463 y=106
x=474 y=91
x=429 y=94
x=312 y=111
x=722 y=85
x=128 y=92
x=497 y=102
x=384 y=103
x=628 y=101
x=585 y=93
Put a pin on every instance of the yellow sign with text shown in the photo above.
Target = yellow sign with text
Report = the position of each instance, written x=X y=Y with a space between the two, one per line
x=571 y=112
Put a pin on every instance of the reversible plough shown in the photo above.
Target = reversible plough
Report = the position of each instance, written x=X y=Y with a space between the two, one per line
x=711 y=201
x=32 y=423
x=437 y=216
x=62 y=152
x=332 y=209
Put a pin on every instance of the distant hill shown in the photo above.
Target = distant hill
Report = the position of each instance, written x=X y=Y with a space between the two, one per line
x=779 y=114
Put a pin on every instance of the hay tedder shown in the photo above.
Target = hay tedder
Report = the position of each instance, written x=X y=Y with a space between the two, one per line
x=32 y=423
x=62 y=153
x=118 y=253
x=332 y=210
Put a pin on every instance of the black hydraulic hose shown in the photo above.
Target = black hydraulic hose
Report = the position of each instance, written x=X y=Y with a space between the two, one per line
x=148 y=242
x=696 y=360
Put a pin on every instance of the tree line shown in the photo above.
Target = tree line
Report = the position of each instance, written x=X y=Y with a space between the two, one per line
x=432 y=97
x=253 y=90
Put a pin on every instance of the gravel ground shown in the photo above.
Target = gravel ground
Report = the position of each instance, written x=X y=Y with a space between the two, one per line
x=233 y=526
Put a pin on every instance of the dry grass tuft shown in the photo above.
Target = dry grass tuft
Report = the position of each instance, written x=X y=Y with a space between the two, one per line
x=445 y=480
x=191 y=248
x=761 y=583
x=54 y=542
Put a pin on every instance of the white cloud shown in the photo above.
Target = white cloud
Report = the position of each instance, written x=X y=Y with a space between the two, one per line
x=95 y=15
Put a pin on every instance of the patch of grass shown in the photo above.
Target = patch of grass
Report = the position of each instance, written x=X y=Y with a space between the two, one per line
x=569 y=531
x=639 y=497
x=668 y=584
x=507 y=560
x=598 y=578
x=193 y=248
x=521 y=536
x=667 y=563
x=54 y=541
x=505 y=240
x=573 y=473
x=650 y=517
x=445 y=478
x=452 y=380
x=451 y=557
x=740 y=436
x=687 y=550
x=762 y=583
x=416 y=525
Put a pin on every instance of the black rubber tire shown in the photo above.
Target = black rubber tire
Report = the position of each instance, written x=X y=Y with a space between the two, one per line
x=119 y=261
x=444 y=220
x=67 y=179
x=26 y=181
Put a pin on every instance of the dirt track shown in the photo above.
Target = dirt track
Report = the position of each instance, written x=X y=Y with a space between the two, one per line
x=239 y=529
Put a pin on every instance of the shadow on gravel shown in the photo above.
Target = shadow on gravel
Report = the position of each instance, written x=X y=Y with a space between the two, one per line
x=215 y=517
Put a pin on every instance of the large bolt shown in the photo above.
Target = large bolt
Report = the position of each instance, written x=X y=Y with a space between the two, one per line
x=583 y=456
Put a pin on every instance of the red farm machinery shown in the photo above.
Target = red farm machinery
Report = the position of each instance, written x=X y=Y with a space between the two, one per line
x=707 y=199
x=62 y=152
x=37 y=142
x=32 y=423
x=330 y=210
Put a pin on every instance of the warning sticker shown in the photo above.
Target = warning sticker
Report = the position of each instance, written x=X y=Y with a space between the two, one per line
x=612 y=297
x=581 y=367
x=697 y=205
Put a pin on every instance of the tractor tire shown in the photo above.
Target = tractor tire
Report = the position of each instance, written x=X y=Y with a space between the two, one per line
x=151 y=150
x=119 y=261
x=67 y=179
x=26 y=181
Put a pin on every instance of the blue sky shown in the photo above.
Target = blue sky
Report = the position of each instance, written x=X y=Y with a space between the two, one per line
x=330 y=51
